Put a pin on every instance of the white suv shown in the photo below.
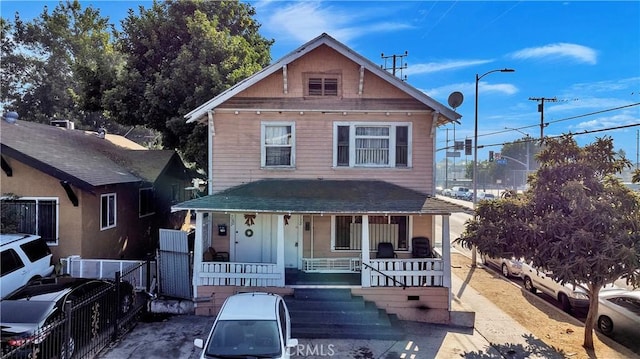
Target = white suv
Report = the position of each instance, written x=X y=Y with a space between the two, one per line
x=24 y=257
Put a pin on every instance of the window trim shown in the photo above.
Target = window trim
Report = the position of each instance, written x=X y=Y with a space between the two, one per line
x=263 y=147
x=57 y=219
x=115 y=210
x=151 y=204
x=408 y=248
x=392 y=143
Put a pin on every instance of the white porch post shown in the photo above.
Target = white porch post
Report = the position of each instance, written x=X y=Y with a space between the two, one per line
x=280 y=249
x=365 y=272
x=198 y=250
x=446 y=256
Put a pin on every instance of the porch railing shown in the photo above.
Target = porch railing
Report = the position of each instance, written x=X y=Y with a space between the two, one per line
x=331 y=265
x=241 y=274
x=414 y=272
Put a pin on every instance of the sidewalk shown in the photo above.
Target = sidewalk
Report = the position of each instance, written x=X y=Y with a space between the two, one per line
x=173 y=338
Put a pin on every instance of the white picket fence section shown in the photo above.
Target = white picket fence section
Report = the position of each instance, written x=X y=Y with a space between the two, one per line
x=75 y=266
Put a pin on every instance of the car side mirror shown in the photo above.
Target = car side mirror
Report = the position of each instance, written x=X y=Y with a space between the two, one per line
x=292 y=343
x=199 y=343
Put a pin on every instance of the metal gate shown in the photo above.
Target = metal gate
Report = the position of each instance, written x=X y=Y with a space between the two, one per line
x=174 y=264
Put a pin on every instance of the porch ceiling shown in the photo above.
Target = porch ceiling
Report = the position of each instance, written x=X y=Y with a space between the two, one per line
x=321 y=196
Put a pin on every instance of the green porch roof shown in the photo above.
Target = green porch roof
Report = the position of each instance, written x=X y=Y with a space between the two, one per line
x=321 y=196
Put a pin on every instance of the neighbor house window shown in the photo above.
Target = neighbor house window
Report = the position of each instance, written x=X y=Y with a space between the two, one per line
x=372 y=145
x=147 y=202
x=278 y=145
x=32 y=216
x=322 y=84
x=107 y=211
x=347 y=232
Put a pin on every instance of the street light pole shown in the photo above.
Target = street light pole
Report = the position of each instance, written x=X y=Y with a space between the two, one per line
x=475 y=150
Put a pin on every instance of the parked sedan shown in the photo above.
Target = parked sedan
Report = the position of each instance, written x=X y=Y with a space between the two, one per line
x=250 y=325
x=508 y=264
x=619 y=312
x=31 y=317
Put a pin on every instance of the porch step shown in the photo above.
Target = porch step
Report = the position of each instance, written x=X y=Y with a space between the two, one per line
x=350 y=317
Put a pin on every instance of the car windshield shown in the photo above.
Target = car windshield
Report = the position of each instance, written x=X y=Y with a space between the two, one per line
x=26 y=312
x=239 y=338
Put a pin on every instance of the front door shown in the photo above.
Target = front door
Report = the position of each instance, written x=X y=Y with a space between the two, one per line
x=249 y=233
x=292 y=240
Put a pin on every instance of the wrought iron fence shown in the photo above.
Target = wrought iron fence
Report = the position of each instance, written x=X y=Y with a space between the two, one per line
x=82 y=329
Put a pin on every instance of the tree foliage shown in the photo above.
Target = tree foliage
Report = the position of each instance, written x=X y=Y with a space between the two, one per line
x=179 y=54
x=576 y=220
x=58 y=65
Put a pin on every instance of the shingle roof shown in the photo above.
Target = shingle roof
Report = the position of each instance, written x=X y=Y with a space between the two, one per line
x=321 y=196
x=81 y=158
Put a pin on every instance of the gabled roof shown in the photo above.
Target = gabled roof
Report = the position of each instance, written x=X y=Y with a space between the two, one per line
x=327 y=40
x=321 y=196
x=78 y=157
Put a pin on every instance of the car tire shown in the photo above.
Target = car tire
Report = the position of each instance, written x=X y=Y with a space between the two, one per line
x=505 y=270
x=528 y=285
x=564 y=302
x=605 y=324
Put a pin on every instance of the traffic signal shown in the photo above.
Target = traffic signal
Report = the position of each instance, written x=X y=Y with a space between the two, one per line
x=490 y=156
x=467 y=147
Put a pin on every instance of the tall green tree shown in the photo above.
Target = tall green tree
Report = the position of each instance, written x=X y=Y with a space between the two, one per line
x=576 y=220
x=60 y=63
x=179 y=55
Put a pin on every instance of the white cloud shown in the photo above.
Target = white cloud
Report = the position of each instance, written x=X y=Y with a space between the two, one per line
x=302 y=21
x=576 y=52
x=468 y=89
x=430 y=67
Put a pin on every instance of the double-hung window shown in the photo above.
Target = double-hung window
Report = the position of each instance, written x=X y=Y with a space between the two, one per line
x=107 y=211
x=32 y=216
x=372 y=145
x=278 y=144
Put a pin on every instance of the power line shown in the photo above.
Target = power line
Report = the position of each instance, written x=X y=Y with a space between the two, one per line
x=585 y=132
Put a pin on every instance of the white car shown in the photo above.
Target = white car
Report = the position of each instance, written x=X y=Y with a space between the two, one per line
x=250 y=325
x=485 y=195
x=570 y=296
x=507 y=263
x=619 y=312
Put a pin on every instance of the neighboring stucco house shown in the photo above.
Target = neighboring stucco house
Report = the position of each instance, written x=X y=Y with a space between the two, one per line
x=315 y=161
x=86 y=195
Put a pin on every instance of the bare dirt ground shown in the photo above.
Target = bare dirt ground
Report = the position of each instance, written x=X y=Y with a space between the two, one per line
x=549 y=324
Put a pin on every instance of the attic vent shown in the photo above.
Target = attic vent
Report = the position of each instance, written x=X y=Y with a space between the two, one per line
x=63 y=123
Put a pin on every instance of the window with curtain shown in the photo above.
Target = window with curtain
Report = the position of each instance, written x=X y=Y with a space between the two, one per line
x=278 y=142
x=32 y=216
x=372 y=145
x=107 y=211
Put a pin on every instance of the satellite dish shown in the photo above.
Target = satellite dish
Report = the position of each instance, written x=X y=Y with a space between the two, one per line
x=455 y=99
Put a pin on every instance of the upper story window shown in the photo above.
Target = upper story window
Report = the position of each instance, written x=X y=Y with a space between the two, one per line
x=372 y=145
x=107 y=211
x=146 y=202
x=278 y=144
x=322 y=84
x=31 y=215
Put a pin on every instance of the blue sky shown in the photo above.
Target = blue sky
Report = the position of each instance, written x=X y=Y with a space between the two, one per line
x=585 y=54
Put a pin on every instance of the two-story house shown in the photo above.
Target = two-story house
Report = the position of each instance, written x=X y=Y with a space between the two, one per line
x=323 y=162
x=85 y=194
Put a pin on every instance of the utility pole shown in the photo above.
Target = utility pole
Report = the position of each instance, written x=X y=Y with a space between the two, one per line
x=395 y=66
x=541 y=101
